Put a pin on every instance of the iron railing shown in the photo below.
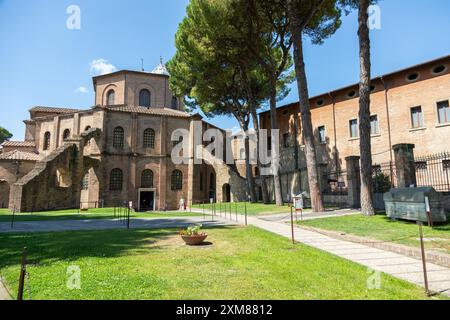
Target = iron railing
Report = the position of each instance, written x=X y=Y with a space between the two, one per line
x=434 y=171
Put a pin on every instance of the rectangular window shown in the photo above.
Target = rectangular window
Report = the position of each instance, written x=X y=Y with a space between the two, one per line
x=354 y=130
x=446 y=165
x=416 y=117
x=374 y=128
x=322 y=136
x=269 y=143
x=286 y=140
x=443 y=112
x=421 y=166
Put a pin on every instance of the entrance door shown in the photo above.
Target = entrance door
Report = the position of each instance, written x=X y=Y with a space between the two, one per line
x=147 y=202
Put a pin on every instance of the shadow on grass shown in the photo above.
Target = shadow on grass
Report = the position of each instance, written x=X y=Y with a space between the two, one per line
x=47 y=248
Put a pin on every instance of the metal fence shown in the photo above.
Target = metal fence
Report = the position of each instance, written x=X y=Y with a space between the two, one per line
x=384 y=177
x=434 y=171
x=336 y=183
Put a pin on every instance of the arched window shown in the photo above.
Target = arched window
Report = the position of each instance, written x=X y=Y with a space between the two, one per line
x=145 y=98
x=174 y=102
x=111 y=98
x=116 y=180
x=149 y=138
x=118 y=137
x=147 y=179
x=66 y=134
x=85 y=182
x=46 y=145
x=177 y=180
x=176 y=142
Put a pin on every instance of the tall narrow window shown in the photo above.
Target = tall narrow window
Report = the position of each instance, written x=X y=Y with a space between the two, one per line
x=47 y=137
x=147 y=179
x=118 y=137
x=443 y=112
x=149 y=138
x=85 y=182
x=111 y=98
x=322 y=136
x=116 y=180
x=416 y=117
x=177 y=180
x=66 y=134
x=174 y=102
x=374 y=128
x=286 y=140
x=354 y=130
x=269 y=143
x=145 y=98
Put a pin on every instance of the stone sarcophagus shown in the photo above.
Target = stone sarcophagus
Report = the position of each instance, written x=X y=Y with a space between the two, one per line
x=411 y=204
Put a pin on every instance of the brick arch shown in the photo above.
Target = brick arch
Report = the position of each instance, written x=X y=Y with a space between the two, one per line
x=150 y=88
x=105 y=92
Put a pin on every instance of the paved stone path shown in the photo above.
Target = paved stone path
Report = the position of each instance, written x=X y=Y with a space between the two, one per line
x=394 y=264
x=4 y=295
x=101 y=224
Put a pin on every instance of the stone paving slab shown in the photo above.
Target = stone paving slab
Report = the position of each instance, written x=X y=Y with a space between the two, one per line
x=4 y=295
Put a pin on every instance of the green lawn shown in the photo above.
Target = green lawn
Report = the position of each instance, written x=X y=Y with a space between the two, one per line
x=381 y=227
x=72 y=214
x=241 y=263
x=252 y=208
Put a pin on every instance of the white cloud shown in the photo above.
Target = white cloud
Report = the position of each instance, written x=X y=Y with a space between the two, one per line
x=101 y=66
x=81 y=90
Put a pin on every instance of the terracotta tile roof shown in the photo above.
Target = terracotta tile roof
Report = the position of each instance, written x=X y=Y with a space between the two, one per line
x=53 y=109
x=19 y=155
x=154 y=111
x=30 y=144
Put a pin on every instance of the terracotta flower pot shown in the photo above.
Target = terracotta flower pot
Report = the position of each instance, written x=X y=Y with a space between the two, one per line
x=194 y=240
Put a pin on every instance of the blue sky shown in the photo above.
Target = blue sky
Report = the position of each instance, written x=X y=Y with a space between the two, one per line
x=44 y=63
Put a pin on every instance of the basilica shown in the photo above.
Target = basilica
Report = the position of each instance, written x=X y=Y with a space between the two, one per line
x=116 y=152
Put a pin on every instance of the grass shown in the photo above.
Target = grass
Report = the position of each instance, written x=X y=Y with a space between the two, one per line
x=252 y=208
x=72 y=214
x=380 y=227
x=242 y=263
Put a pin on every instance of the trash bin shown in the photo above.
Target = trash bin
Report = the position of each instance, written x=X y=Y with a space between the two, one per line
x=409 y=204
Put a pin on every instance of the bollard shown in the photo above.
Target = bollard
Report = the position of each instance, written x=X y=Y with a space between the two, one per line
x=292 y=226
x=424 y=262
x=245 y=212
x=23 y=271
x=13 y=217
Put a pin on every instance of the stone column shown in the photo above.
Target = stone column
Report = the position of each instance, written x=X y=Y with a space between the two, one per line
x=405 y=165
x=353 y=181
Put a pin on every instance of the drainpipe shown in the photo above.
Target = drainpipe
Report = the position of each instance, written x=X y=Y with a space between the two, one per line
x=386 y=89
x=334 y=130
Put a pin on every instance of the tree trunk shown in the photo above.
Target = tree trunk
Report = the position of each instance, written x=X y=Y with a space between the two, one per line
x=248 y=168
x=275 y=147
x=364 y=110
x=265 y=196
x=305 y=111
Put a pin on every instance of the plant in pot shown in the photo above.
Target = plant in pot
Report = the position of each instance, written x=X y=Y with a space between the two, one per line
x=193 y=236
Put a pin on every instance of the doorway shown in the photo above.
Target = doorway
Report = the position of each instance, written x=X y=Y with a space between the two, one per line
x=146 y=200
x=226 y=193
